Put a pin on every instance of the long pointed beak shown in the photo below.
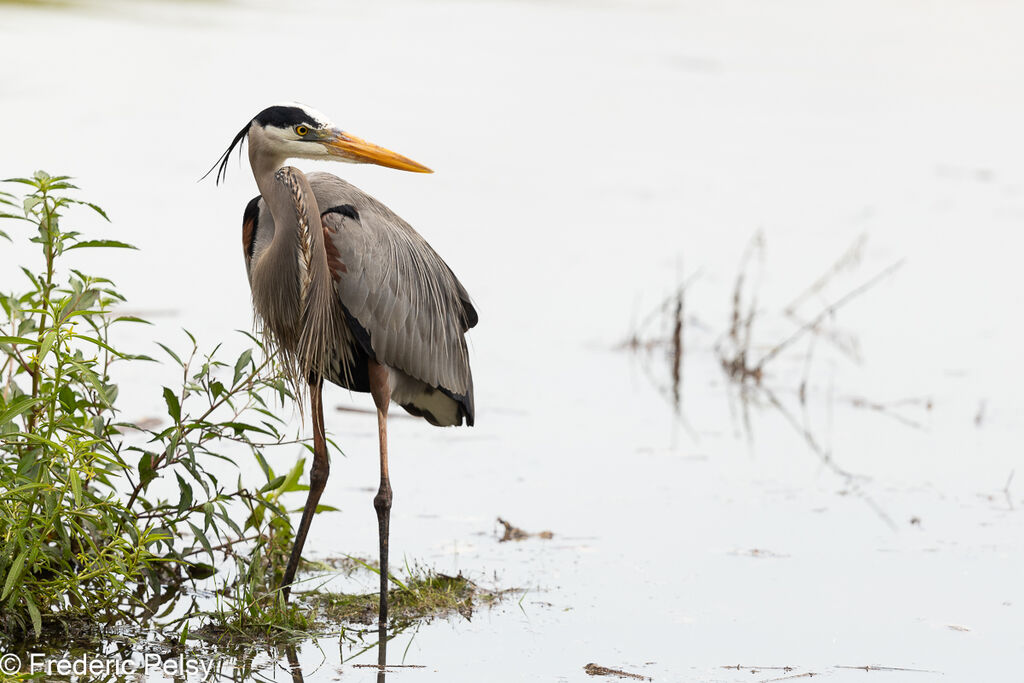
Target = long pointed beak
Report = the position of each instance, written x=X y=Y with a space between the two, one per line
x=358 y=151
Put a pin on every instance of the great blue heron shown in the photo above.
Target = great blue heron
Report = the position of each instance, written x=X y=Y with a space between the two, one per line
x=347 y=291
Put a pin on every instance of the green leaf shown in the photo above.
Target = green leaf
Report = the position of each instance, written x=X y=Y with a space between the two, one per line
x=131 y=319
x=19 y=340
x=243 y=361
x=170 y=353
x=146 y=472
x=202 y=538
x=95 y=208
x=326 y=508
x=76 y=487
x=186 y=494
x=273 y=484
x=14 y=574
x=255 y=518
x=291 y=479
x=33 y=612
x=31 y=203
x=44 y=348
x=173 y=407
x=67 y=397
x=241 y=427
x=97 y=342
x=18 y=406
x=92 y=244
x=268 y=472
x=199 y=571
x=231 y=523
x=10 y=493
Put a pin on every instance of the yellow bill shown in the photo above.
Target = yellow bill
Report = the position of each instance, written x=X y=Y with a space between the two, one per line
x=359 y=151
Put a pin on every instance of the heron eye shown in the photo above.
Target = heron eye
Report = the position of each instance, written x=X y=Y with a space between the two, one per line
x=301 y=130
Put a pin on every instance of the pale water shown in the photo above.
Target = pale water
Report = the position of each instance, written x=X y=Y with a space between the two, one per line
x=589 y=158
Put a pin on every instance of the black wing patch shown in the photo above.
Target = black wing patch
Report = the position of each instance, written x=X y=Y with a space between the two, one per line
x=471 y=316
x=346 y=210
x=250 y=225
x=359 y=332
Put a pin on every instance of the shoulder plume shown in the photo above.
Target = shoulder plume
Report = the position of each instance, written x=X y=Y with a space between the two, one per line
x=322 y=335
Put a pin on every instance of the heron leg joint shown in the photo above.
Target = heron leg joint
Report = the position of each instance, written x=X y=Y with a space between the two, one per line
x=318 y=473
x=382 y=501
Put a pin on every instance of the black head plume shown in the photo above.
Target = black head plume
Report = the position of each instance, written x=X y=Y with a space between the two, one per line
x=278 y=116
x=286 y=116
x=222 y=172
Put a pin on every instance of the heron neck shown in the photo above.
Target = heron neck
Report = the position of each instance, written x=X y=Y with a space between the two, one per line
x=276 y=277
x=264 y=164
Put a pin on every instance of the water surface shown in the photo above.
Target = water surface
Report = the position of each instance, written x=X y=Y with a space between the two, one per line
x=588 y=159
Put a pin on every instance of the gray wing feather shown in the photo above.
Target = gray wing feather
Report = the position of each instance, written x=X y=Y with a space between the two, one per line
x=400 y=291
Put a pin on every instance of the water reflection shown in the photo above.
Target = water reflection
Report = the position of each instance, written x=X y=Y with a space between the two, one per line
x=659 y=340
x=382 y=652
x=293 y=664
x=136 y=654
x=775 y=377
x=245 y=667
x=382 y=665
x=661 y=335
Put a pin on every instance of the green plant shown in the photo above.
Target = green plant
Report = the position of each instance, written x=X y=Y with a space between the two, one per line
x=81 y=534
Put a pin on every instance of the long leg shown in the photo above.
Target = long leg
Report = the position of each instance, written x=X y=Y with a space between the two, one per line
x=380 y=388
x=317 y=480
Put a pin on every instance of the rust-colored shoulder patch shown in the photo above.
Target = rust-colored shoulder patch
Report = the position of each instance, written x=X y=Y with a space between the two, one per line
x=333 y=257
x=248 y=232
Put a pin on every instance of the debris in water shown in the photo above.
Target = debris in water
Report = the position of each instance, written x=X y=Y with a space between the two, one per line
x=758 y=552
x=514 y=533
x=598 y=670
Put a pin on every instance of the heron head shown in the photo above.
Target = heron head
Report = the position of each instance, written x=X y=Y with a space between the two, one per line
x=295 y=131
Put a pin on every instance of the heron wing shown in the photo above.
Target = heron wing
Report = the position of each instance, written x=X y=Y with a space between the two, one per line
x=411 y=309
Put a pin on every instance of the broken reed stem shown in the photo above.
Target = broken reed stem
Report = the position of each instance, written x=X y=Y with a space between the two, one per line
x=677 y=351
x=850 y=258
x=827 y=311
